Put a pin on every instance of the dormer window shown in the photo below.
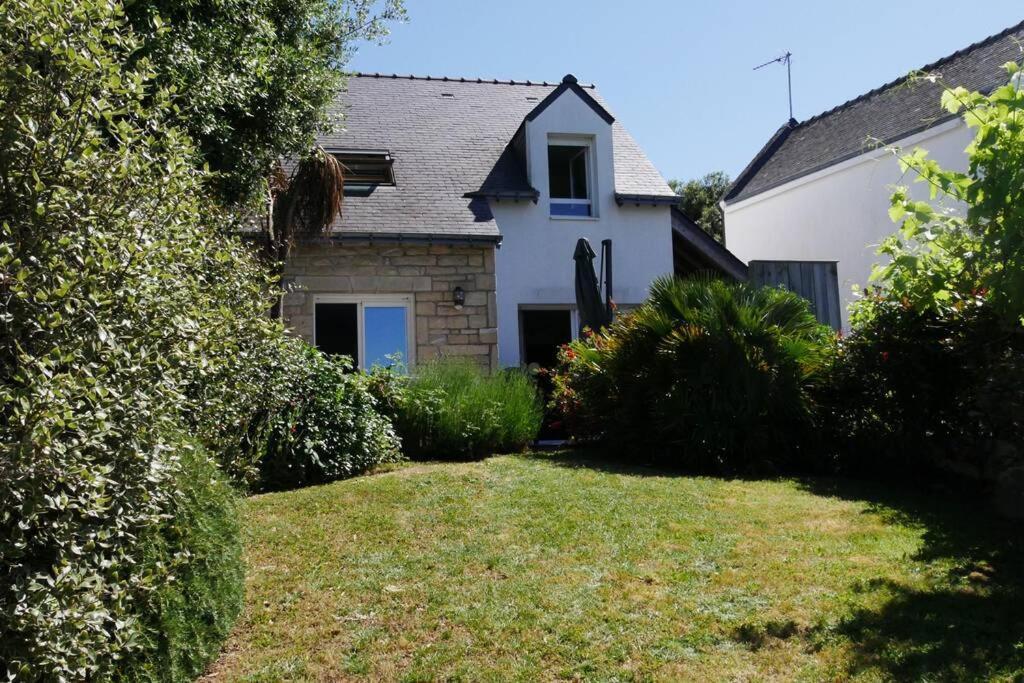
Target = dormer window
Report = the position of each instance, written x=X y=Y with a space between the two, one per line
x=366 y=169
x=570 y=179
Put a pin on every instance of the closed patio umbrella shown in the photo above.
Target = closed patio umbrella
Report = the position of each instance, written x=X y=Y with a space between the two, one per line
x=593 y=312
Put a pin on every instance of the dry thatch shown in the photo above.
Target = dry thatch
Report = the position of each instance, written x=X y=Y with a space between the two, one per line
x=305 y=204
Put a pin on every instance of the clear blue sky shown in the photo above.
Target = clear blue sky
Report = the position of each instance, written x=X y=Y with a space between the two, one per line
x=678 y=73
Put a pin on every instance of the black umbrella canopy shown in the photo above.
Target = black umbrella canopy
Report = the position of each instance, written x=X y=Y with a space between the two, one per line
x=592 y=310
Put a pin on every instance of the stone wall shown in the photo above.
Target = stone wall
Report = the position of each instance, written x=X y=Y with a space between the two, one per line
x=429 y=273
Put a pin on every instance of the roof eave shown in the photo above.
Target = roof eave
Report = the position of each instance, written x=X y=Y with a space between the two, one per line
x=515 y=195
x=708 y=246
x=640 y=199
x=339 y=236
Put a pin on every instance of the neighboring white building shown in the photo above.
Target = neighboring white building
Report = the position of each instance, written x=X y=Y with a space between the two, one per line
x=464 y=201
x=819 y=190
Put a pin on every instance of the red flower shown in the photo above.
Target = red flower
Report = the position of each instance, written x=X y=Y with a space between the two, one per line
x=570 y=354
x=885 y=356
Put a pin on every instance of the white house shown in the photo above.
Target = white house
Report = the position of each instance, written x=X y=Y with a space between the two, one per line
x=817 y=195
x=464 y=199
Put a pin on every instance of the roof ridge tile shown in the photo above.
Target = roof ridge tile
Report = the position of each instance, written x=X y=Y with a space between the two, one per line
x=461 y=79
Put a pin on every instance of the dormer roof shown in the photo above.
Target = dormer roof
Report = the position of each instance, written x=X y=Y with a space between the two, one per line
x=569 y=83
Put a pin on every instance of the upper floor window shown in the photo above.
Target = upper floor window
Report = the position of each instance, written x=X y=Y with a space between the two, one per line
x=569 y=178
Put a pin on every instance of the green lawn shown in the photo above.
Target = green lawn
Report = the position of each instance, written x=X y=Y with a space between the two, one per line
x=549 y=567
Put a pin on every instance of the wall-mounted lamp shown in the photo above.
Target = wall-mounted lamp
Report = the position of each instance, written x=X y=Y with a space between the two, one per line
x=459 y=298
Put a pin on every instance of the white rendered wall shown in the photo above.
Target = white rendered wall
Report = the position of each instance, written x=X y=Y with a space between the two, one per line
x=534 y=263
x=840 y=214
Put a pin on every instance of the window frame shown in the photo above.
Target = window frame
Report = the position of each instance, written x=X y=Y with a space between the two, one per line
x=378 y=157
x=405 y=301
x=587 y=143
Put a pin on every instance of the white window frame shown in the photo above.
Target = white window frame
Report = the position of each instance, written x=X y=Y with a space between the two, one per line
x=405 y=301
x=587 y=142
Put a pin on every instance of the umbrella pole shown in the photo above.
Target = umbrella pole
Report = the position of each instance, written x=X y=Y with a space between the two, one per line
x=606 y=257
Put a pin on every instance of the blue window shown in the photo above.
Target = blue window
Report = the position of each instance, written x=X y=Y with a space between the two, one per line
x=569 y=208
x=387 y=338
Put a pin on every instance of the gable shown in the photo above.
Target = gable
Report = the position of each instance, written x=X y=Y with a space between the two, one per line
x=570 y=84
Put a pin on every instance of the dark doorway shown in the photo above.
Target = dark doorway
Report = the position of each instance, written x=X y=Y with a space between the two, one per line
x=543 y=332
x=337 y=329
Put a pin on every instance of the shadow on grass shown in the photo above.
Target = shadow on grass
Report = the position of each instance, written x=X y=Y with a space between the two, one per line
x=969 y=623
x=596 y=458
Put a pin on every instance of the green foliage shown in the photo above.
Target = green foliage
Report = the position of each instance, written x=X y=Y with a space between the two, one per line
x=941 y=255
x=254 y=79
x=326 y=426
x=699 y=199
x=130 y=325
x=450 y=408
x=916 y=391
x=187 y=619
x=711 y=375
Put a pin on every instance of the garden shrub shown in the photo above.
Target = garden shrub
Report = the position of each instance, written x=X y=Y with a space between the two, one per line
x=326 y=425
x=915 y=392
x=930 y=380
x=186 y=619
x=706 y=374
x=123 y=301
x=451 y=408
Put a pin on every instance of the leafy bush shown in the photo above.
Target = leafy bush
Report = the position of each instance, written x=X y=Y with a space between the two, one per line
x=186 y=619
x=939 y=255
x=122 y=304
x=450 y=408
x=708 y=374
x=930 y=380
x=326 y=426
x=915 y=391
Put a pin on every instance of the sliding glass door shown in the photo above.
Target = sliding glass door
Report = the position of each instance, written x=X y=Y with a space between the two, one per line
x=372 y=330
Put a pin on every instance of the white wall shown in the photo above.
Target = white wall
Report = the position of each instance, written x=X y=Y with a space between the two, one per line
x=534 y=263
x=840 y=214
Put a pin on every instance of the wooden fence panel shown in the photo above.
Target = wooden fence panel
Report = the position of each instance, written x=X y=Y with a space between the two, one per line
x=816 y=281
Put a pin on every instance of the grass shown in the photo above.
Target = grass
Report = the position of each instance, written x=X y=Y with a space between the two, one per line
x=546 y=567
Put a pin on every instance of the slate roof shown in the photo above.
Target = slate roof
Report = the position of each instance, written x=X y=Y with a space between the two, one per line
x=887 y=114
x=450 y=140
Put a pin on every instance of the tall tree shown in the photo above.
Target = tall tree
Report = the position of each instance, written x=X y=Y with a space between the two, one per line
x=699 y=198
x=254 y=79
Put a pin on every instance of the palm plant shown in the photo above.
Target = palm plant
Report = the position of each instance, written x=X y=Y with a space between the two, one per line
x=304 y=204
x=713 y=374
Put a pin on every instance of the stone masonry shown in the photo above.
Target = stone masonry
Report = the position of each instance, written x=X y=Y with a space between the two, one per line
x=430 y=273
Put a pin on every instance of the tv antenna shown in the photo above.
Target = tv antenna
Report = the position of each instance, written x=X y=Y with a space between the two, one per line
x=786 y=59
